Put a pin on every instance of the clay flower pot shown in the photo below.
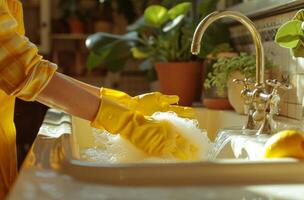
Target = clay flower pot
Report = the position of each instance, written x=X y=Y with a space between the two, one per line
x=76 y=26
x=179 y=78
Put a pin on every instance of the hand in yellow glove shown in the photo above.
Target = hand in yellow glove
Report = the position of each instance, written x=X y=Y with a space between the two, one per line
x=154 y=137
x=287 y=143
x=149 y=103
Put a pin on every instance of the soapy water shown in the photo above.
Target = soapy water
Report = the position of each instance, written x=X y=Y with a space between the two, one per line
x=112 y=148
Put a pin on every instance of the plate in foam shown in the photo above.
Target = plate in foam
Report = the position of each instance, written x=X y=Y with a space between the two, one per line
x=222 y=171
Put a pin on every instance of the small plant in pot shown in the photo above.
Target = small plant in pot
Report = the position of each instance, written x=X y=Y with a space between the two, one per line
x=216 y=97
x=169 y=51
x=224 y=70
x=178 y=71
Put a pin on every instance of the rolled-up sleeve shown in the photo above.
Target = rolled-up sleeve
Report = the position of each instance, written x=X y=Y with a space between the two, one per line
x=23 y=72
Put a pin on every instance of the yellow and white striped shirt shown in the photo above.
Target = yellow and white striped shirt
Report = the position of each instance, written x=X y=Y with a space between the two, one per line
x=23 y=74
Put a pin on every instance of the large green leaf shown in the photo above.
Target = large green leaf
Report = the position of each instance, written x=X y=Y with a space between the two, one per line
x=156 y=15
x=98 y=41
x=117 y=57
x=180 y=9
x=113 y=61
x=110 y=50
x=289 y=34
x=94 y=60
x=137 y=25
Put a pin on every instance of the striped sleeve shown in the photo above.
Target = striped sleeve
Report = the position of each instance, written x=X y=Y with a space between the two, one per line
x=23 y=72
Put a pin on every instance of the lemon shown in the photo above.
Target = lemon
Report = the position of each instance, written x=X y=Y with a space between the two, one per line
x=286 y=143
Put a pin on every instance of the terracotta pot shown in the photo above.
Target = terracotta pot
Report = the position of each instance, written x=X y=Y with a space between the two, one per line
x=217 y=103
x=76 y=26
x=179 y=78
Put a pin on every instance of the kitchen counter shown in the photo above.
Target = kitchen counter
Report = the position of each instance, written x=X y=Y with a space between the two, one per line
x=41 y=178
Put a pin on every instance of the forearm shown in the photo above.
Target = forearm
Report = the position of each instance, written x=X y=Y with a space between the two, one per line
x=90 y=88
x=66 y=94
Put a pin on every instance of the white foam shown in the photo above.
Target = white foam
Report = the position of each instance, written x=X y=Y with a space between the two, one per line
x=115 y=149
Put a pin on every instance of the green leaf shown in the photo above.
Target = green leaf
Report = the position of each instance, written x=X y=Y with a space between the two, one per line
x=174 y=23
x=137 y=25
x=117 y=57
x=289 y=34
x=99 y=41
x=180 y=9
x=299 y=15
x=94 y=60
x=156 y=15
x=110 y=50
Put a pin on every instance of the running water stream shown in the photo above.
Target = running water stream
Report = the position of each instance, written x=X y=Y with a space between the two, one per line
x=243 y=143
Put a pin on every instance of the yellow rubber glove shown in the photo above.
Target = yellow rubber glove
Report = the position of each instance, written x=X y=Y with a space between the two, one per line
x=156 y=138
x=149 y=103
x=287 y=143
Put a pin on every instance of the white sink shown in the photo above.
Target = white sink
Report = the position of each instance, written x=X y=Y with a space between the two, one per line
x=226 y=169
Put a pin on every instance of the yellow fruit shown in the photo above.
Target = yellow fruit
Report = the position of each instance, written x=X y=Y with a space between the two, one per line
x=287 y=143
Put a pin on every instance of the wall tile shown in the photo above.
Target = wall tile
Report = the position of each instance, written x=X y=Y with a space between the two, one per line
x=294 y=111
x=283 y=109
x=300 y=65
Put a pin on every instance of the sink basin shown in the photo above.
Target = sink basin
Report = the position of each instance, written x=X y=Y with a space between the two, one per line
x=65 y=156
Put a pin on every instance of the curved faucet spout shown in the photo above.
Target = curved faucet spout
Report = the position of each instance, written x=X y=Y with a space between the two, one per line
x=204 y=24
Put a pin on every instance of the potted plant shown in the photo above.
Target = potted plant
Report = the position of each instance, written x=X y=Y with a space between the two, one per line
x=225 y=69
x=161 y=38
x=169 y=51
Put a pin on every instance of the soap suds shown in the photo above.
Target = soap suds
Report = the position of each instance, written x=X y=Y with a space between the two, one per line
x=110 y=148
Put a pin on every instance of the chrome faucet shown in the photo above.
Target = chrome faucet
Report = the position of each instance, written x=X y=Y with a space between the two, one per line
x=259 y=50
x=257 y=100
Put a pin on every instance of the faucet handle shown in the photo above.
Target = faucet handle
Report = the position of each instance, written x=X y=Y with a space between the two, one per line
x=285 y=85
x=245 y=93
x=286 y=82
x=246 y=82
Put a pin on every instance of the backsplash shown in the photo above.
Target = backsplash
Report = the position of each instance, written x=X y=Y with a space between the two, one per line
x=291 y=100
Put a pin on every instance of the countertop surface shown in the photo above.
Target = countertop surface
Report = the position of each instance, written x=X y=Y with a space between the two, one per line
x=39 y=180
